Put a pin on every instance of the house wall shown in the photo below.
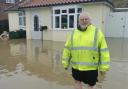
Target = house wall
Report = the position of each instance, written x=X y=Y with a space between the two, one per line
x=28 y=24
x=98 y=13
x=105 y=12
x=13 y=21
x=44 y=18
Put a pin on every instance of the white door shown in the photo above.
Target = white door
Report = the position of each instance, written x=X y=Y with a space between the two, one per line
x=115 y=24
x=36 y=33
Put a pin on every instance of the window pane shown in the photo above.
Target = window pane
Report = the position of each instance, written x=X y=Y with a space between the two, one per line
x=57 y=22
x=64 y=11
x=36 y=23
x=20 y=21
x=78 y=20
x=71 y=21
x=21 y=14
x=79 y=10
x=57 y=11
x=64 y=21
x=24 y=22
x=72 y=10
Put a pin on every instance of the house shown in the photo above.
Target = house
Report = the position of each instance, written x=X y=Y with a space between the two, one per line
x=5 y=4
x=3 y=17
x=55 y=19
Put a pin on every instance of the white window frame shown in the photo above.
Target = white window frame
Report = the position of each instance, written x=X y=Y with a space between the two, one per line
x=23 y=20
x=66 y=7
x=10 y=1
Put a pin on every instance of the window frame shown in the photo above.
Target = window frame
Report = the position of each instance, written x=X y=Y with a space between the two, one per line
x=61 y=8
x=22 y=16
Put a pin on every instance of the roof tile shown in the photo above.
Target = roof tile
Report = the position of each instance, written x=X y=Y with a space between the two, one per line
x=39 y=3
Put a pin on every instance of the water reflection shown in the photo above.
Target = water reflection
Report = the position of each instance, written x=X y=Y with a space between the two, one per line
x=34 y=57
x=56 y=61
x=17 y=48
x=19 y=68
x=45 y=62
x=38 y=62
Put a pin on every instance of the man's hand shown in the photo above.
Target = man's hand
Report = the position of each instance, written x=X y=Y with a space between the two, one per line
x=101 y=76
x=103 y=73
x=66 y=68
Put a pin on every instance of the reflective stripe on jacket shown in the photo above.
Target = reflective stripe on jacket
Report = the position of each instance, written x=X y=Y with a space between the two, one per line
x=86 y=50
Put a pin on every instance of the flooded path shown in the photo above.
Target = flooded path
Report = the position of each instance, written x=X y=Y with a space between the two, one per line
x=35 y=64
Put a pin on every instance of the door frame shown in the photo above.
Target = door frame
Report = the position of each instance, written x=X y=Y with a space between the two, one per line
x=35 y=34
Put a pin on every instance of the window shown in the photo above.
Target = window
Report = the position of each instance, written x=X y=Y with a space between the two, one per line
x=64 y=21
x=79 y=10
x=57 y=20
x=65 y=18
x=22 y=21
x=36 y=23
x=57 y=11
x=64 y=11
x=71 y=21
x=10 y=1
x=78 y=20
x=72 y=10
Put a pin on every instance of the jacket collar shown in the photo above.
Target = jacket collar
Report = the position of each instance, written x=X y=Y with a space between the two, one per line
x=79 y=28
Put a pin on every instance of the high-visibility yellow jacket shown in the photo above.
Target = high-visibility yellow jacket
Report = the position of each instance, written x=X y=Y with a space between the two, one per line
x=86 y=50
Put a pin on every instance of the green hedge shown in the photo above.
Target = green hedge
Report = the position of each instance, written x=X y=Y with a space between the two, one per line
x=17 y=34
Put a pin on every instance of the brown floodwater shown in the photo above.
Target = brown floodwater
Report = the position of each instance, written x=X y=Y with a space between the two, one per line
x=36 y=64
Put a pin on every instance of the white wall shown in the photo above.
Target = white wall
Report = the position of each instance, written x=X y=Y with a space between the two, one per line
x=98 y=12
x=46 y=18
x=13 y=21
x=28 y=24
x=60 y=35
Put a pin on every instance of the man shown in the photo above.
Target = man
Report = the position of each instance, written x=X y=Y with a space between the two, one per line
x=86 y=51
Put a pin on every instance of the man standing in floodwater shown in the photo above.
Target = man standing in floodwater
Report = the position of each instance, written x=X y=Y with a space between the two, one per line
x=87 y=53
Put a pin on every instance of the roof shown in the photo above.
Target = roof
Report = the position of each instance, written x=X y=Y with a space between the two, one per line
x=4 y=6
x=15 y=7
x=42 y=3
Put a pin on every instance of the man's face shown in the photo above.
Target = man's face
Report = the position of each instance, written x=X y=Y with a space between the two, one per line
x=84 y=20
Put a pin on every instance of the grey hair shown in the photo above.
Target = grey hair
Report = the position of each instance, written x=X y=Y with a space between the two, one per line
x=86 y=14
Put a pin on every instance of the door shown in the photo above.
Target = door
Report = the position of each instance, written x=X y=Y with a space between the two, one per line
x=115 y=24
x=36 y=33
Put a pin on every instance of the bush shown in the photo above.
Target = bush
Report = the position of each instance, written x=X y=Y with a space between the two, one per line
x=18 y=34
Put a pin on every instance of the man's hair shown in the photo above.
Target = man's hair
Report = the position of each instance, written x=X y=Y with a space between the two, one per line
x=86 y=14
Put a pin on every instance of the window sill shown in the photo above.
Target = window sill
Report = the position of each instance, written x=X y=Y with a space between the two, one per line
x=70 y=29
